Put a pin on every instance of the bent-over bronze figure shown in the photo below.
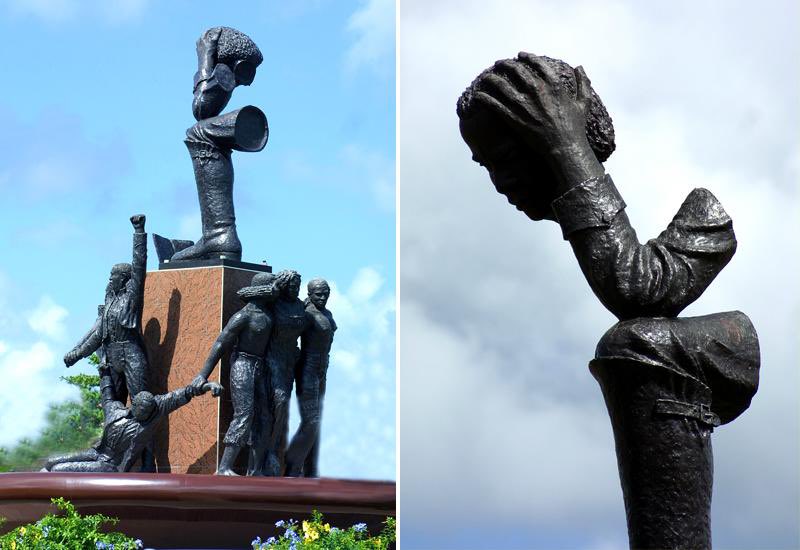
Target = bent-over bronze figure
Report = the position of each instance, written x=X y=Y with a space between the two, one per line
x=542 y=133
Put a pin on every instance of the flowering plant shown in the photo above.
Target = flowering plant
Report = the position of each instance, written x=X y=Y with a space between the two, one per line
x=316 y=535
x=68 y=532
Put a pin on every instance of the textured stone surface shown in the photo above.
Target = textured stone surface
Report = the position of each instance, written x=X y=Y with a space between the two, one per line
x=184 y=311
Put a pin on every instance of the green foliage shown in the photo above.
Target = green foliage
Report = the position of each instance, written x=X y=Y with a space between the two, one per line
x=70 y=531
x=70 y=426
x=316 y=535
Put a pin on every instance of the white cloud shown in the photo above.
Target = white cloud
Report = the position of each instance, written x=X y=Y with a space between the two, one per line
x=365 y=285
x=30 y=366
x=29 y=375
x=498 y=323
x=358 y=425
x=47 y=319
x=373 y=26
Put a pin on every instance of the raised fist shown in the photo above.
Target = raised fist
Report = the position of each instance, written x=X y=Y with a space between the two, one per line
x=138 y=222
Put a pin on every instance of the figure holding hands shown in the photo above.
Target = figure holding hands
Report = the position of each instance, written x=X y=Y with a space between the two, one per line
x=246 y=336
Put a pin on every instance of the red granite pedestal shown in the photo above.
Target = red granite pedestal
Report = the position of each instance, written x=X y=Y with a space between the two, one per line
x=184 y=311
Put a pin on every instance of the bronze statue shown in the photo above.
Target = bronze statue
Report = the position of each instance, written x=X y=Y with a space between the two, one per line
x=117 y=332
x=247 y=335
x=290 y=320
x=226 y=58
x=127 y=432
x=542 y=133
x=302 y=457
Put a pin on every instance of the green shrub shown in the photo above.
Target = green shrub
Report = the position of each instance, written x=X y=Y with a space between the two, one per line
x=316 y=535
x=68 y=532
x=70 y=426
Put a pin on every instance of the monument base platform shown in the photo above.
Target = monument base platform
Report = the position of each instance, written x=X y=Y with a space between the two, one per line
x=197 y=511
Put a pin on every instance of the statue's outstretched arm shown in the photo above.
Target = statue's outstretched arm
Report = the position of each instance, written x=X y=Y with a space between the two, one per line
x=225 y=342
x=86 y=345
x=656 y=279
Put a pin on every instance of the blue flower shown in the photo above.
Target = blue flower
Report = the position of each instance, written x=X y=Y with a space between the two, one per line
x=290 y=534
x=280 y=523
x=99 y=545
x=360 y=527
x=271 y=540
x=256 y=541
x=45 y=530
x=334 y=529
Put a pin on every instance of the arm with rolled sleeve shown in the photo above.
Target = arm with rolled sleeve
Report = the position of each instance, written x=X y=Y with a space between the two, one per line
x=134 y=289
x=173 y=400
x=212 y=92
x=659 y=278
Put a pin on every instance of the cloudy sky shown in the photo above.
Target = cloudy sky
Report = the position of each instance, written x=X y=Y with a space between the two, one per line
x=95 y=101
x=505 y=439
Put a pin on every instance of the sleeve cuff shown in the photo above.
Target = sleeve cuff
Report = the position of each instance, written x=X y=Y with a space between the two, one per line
x=220 y=77
x=593 y=203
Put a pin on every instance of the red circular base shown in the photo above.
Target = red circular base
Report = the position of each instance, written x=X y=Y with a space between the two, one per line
x=197 y=511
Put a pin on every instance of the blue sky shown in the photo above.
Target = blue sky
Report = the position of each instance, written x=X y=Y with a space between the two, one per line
x=95 y=103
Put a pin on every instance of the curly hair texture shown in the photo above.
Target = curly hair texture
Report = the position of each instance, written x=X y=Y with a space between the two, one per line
x=142 y=398
x=599 y=127
x=124 y=269
x=284 y=278
x=262 y=286
x=234 y=46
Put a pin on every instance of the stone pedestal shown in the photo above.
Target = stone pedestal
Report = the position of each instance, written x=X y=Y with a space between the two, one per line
x=185 y=309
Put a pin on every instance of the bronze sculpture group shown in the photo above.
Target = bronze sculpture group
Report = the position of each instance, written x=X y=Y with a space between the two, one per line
x=542 y=133
x=265 y=364
x=262 y=337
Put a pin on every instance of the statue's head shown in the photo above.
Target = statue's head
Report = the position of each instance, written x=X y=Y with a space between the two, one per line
x=240 y=53
x=288 y=284
x=262 y=287
x=120 y=274
x=516 y=171
x=143 y=405
x=318 y=292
